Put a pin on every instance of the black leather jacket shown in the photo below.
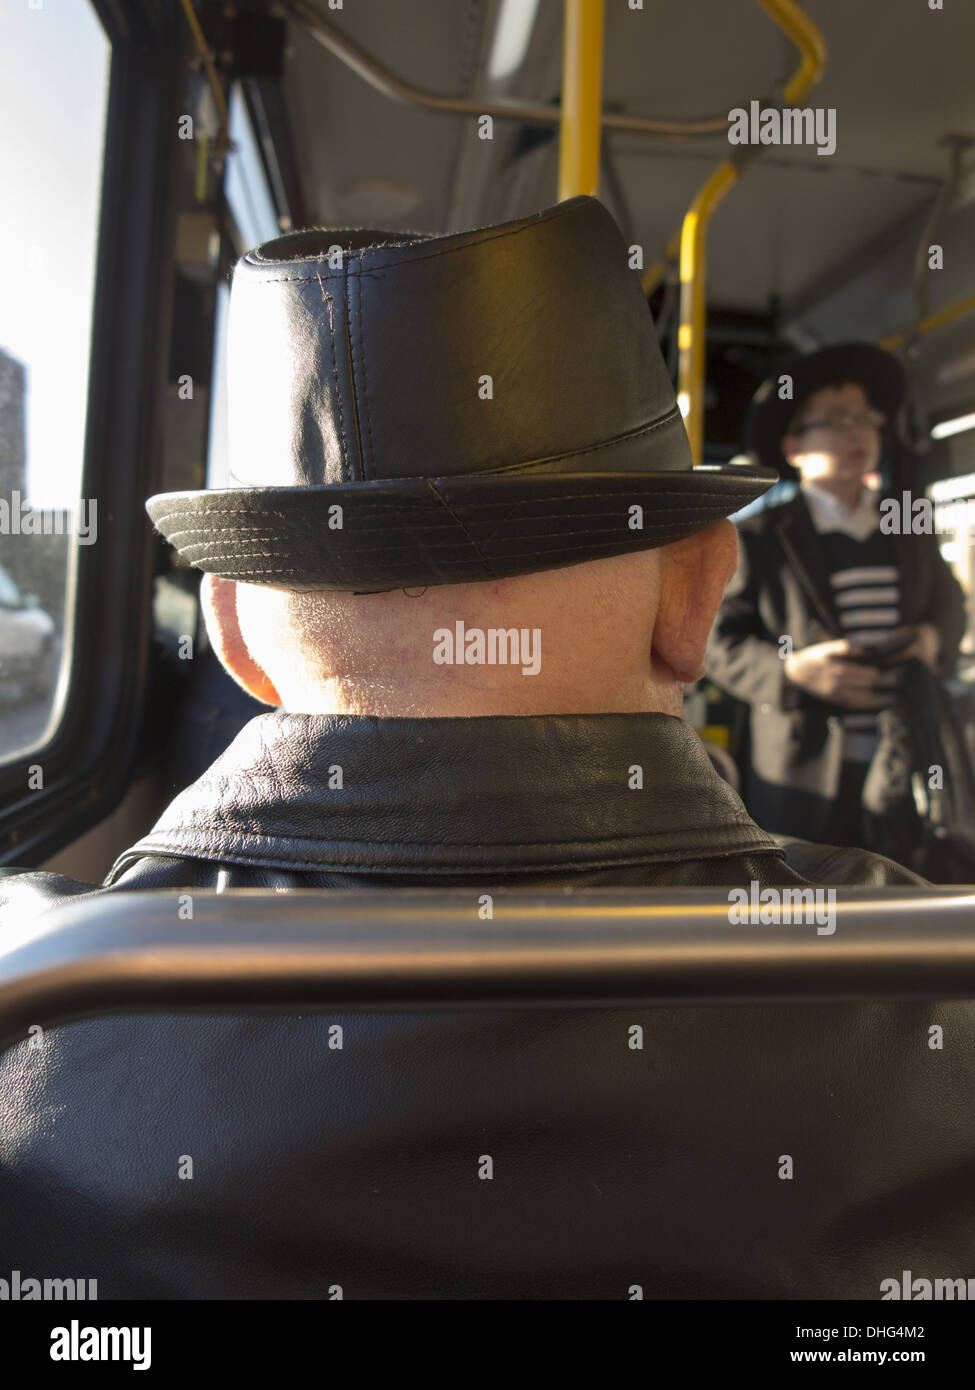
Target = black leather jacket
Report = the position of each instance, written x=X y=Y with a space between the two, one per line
x=315 y=1168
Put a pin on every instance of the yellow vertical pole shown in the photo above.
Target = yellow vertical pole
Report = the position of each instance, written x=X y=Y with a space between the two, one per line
x=691 y=336
x=582 y=96
x=693 y=237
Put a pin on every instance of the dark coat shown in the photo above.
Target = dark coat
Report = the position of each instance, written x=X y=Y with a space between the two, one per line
x=782 y=588
x=614 y=1167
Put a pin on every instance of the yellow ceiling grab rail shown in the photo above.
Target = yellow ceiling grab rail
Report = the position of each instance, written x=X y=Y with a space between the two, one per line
x=938 y=319
x=693 y=235
x=579 y=144
x=812 y=48
x=797 y=26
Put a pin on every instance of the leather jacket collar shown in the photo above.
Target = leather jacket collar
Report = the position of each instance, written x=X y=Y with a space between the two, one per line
x=495 y=795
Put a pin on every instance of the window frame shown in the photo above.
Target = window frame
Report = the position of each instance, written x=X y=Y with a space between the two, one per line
x=91 y=758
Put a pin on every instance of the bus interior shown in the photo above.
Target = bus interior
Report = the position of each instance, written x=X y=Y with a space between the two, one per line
x=157 y=141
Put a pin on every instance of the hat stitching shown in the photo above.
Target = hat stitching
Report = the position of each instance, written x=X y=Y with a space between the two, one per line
x=303 y=522
x=365 y=380
x=351 y=349
x=506 y=555
x=234 y=559
x=289 y=520
x=183 y=541
x=178 y=537
x=187 y=546
x=329 y=306
x=677 y=517
x=673 y=520
x=431 y=485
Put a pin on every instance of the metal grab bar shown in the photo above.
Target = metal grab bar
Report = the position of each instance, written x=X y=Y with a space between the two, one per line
x=532 y=113
x=408 y=949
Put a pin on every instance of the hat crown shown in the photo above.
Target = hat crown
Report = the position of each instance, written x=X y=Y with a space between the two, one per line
x=356 y=355
x=412 y=410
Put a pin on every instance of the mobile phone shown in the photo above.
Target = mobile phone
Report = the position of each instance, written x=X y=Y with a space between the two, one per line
x=888 y=652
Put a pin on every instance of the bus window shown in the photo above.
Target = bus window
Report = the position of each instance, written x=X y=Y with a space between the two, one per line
x=53 y=95
x=253 y=219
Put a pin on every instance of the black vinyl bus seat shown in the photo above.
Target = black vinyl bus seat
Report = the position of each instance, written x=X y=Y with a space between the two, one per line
x=594 y=1094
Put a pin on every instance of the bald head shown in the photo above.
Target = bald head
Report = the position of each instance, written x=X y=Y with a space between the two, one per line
x=617 y=635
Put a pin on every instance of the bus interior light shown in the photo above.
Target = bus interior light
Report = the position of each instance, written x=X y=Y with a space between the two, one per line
x=956 y=426
x=516 y=22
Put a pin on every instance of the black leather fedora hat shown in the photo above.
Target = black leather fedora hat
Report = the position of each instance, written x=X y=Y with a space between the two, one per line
x=861 y=364
x=424 y=410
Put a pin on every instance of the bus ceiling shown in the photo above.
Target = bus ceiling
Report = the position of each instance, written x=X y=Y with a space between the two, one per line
x=584 y=120
x=581 y=123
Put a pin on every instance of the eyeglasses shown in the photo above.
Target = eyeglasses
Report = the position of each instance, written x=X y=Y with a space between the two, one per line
x=842 y=420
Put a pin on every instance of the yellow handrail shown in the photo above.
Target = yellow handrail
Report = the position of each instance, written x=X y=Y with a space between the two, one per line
x=958 y=310
x=797 y=26
x=693 y=235
x=656 y=271
x=693 y=305
x=582 y=80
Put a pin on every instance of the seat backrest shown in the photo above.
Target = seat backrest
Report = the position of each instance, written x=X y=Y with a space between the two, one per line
x=582 y=1095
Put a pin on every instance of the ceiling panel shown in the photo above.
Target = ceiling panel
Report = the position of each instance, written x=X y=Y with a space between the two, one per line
x=364 y=158
x=899 y=76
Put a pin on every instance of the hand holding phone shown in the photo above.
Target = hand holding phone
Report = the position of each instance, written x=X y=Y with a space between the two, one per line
x=890 y=652
x=836 y=672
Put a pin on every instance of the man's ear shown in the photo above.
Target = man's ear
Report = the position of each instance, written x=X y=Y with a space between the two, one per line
x=219 y=600
x=693 y=576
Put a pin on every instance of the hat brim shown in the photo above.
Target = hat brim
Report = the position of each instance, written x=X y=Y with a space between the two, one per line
x=450 y=530
x=863 y=364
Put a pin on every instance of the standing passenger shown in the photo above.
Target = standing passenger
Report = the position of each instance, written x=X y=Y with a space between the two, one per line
x=823 y=598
